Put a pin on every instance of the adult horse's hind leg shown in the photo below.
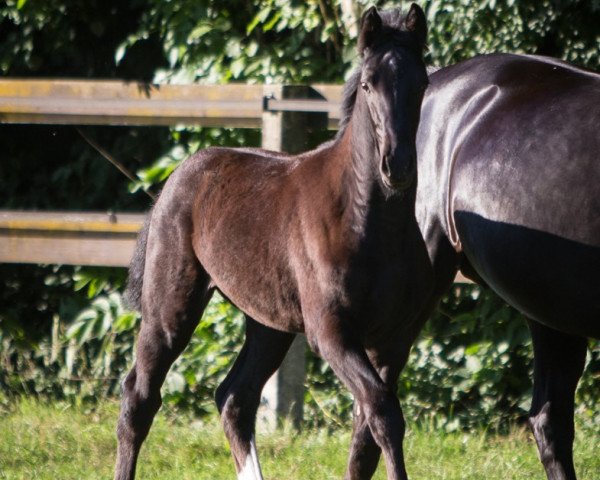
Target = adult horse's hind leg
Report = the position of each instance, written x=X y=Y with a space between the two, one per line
x=238 y=396
x=175 y=292
x=558 y=365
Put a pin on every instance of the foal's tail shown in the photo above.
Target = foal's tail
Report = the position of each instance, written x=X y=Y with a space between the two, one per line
x=133 y=292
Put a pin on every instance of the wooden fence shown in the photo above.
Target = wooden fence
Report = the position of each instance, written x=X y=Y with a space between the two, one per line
x=284 y=113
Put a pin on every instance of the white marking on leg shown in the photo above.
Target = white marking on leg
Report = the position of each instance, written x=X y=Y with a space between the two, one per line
x=254 y=455
x=247 y=472
x=251 y=468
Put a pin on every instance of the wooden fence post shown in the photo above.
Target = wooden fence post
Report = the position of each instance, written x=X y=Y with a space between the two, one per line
x=283 y=395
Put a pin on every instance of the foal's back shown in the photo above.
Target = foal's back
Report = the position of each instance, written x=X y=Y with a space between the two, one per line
x=256 y=219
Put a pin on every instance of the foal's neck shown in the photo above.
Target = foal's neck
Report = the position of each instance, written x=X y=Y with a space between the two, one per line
x=361 y=187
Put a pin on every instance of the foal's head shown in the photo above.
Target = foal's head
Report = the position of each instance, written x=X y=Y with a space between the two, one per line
x=390 y=83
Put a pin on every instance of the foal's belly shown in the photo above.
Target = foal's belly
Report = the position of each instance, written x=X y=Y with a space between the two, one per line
x=553 y=280
x=254 y=276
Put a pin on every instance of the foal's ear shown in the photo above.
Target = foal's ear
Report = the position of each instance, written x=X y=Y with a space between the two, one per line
x=370 y=29
x=416 y=23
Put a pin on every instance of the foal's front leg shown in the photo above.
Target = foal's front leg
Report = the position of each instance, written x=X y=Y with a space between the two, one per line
x=238 y=396
x=339 y=345
x=364 y=451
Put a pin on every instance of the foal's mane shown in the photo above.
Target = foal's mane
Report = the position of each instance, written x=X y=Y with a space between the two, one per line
x=348 y=100
x=394 y=30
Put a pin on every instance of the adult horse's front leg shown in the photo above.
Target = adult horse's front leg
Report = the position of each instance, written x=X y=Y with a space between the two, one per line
x=238 y=396
x=558 y=365
x=338 y=344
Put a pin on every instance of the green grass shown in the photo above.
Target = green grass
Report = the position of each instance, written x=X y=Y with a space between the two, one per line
x=62 y=442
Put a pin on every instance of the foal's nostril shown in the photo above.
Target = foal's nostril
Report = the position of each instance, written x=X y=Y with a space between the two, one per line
x=398 y=170
x=385 y=167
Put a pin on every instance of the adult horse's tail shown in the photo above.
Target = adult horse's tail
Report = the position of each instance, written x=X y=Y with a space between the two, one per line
x=133 y=292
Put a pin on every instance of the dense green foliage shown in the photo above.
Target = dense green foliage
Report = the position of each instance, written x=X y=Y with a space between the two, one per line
x=559 y=28
x=63 y=330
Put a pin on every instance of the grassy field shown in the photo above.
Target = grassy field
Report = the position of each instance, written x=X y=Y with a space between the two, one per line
x=60 y=442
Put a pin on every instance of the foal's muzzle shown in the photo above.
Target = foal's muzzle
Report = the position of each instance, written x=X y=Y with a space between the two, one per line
x=398 y=168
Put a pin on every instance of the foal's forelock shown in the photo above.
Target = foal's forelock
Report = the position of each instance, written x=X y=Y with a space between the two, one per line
x=349 y=99
x=393 y=26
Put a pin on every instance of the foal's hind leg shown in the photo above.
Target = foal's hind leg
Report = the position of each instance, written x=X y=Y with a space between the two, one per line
x=558 y=365
x=238 y=396
x=175 y=292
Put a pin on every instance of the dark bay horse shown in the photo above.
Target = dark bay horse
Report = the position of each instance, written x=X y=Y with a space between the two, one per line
x=319 y=243
x=509 y=193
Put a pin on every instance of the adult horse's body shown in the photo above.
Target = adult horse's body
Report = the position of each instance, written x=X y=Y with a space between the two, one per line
x=510 y=176
x=318 y=243
x=509 y=192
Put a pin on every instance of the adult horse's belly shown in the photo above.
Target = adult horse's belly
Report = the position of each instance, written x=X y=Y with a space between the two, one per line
x=524 y=197
x=525 y=203
x=551 y=279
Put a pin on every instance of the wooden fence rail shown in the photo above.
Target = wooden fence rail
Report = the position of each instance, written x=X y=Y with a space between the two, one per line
x=111 y=102
x=284 y=113
x=68 y=238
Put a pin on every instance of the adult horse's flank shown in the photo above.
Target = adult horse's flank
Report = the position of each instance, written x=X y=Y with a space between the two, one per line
x=509 y=192
x=320 y=243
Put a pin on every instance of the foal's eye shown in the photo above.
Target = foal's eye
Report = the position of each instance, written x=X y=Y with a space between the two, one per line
x=364 y=86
